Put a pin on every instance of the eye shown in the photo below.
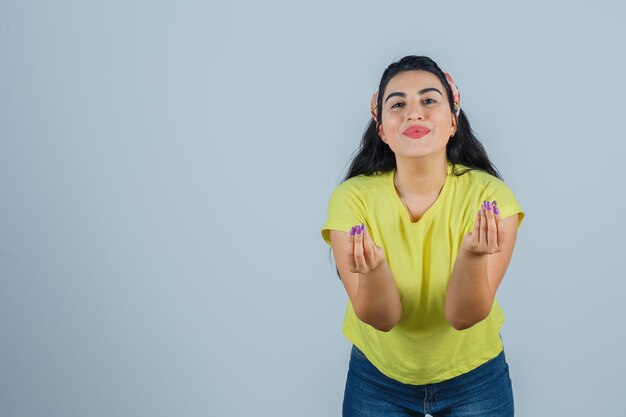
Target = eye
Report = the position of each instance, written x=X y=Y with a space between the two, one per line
x=425 y=101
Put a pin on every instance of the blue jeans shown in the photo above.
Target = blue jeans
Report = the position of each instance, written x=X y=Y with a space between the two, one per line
x=485 y=391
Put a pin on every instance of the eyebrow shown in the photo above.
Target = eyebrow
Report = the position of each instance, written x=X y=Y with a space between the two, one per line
x=401 y=94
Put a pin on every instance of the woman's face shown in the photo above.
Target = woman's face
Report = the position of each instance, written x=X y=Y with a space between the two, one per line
x=414 y=102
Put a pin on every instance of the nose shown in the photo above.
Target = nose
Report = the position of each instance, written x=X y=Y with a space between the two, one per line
x=415 y=112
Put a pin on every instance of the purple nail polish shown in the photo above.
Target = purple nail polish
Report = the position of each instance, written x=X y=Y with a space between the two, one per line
x=352 y=231
x=358 y=230
x=495 y=209
x=488 y=205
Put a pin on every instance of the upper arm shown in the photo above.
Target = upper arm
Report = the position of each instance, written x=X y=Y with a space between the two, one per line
x=497 y=263
x=340 y=243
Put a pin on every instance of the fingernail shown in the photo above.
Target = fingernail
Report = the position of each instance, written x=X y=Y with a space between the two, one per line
x=358 y=230
x=495 y=202
x=488 y=205
x=352 y=231
x=495 y=209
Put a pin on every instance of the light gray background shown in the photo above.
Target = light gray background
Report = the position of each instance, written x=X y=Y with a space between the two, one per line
x=165 y=170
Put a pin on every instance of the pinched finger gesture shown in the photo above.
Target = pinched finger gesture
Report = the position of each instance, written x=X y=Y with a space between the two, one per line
x=363 y=255
x=487 y=236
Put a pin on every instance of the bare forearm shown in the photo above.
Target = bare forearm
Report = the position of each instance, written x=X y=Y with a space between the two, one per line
x=378 y=298
x=468 y=299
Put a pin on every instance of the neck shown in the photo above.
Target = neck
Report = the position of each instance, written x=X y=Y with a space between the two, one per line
x=424 y=177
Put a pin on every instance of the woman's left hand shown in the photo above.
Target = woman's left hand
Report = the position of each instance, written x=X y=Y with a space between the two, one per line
x=487 y=237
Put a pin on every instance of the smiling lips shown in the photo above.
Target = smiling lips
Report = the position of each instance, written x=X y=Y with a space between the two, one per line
x=416 y=132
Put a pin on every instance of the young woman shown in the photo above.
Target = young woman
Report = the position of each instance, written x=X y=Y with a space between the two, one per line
x=422 y=230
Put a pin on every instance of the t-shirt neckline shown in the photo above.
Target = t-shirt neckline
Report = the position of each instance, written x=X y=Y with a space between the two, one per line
x=400 y=205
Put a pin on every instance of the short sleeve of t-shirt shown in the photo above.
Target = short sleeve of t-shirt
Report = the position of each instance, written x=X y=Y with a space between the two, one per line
x=346 y=208
x=505 y=198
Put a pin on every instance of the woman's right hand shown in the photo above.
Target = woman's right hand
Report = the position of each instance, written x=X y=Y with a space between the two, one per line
x=363 y=254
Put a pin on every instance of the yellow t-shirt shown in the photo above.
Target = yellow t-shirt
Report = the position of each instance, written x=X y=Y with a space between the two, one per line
x=423 y=348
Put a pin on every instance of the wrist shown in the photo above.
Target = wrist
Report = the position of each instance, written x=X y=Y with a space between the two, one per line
x=473 y=256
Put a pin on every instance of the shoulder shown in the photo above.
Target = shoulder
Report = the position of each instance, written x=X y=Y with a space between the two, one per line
x=362 y=185
x=481 y=186
x=351 y=201
x=476 y=178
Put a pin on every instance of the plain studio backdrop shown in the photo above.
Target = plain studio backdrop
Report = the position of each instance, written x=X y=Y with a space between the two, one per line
x=165 y=169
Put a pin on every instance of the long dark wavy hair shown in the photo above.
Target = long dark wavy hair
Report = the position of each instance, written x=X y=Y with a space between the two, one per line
x=375 y=156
